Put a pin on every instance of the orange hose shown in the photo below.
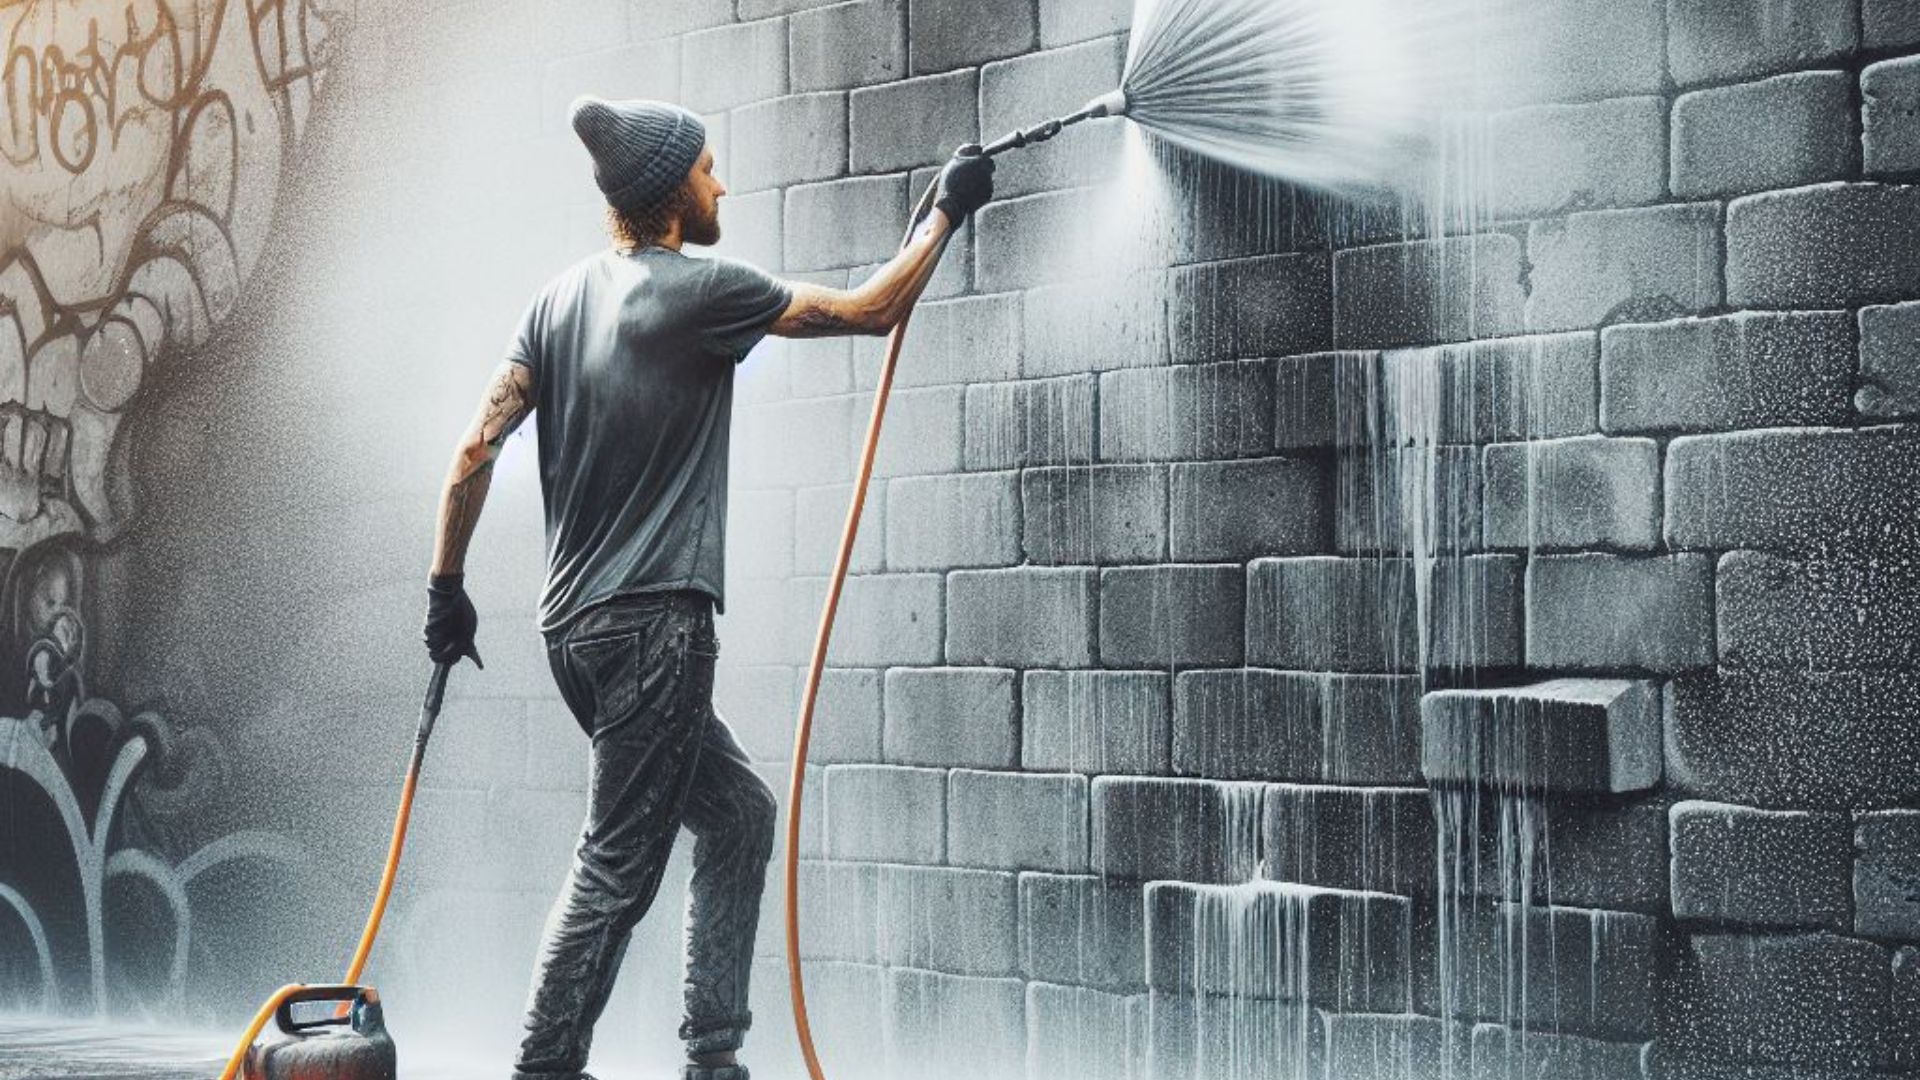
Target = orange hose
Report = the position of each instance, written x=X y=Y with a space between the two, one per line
x=803 y=729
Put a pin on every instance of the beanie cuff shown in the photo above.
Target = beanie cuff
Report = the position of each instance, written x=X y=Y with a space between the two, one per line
x=663 y=176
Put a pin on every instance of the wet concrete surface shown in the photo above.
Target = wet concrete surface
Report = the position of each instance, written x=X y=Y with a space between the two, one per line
x=35 y=1048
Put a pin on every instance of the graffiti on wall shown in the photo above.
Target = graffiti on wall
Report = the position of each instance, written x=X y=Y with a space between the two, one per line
x=142 y=149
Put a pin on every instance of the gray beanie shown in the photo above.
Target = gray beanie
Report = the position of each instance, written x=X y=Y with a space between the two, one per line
x=642 y=150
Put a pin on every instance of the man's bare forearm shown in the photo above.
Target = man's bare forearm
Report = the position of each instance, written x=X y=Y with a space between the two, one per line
x=508 y=400
x=877 y=304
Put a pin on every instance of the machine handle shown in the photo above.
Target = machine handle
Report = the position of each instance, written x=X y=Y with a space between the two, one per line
x=283 y=1016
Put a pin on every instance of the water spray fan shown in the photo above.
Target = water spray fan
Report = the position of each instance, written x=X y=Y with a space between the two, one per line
x=1310 y=91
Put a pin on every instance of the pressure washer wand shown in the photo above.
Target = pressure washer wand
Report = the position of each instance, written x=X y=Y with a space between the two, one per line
x=1109 y=104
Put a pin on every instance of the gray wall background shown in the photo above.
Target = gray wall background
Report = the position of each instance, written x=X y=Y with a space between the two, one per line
x=1134 y=619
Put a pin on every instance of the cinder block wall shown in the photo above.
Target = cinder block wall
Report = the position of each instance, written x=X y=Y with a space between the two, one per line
x=1137 y=612
x=1276 y=599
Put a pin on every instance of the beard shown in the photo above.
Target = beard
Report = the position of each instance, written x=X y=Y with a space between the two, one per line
x=700 y=228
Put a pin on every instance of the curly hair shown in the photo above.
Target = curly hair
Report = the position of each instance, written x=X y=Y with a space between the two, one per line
x=633 y=231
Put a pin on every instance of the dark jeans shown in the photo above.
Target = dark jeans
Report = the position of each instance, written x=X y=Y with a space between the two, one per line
x=637 y=674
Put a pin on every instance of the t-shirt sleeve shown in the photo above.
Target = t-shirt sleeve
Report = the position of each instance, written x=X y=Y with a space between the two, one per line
x=524 y=346
x=742 y=302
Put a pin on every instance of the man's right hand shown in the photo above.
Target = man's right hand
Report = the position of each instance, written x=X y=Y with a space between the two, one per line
x=965 y=184
x=451 y=620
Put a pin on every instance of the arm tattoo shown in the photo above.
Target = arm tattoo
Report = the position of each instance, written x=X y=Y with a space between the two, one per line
x=815 y=319
x=508 y=400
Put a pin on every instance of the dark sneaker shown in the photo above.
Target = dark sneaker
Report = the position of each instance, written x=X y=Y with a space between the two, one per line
x=713 y=1072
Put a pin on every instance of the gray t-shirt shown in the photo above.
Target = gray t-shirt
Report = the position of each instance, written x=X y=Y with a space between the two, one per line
x=633 y=359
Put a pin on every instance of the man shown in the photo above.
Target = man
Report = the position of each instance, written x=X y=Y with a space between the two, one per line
x=627 y=358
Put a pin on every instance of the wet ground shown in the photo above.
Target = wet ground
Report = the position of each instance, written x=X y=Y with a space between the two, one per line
x=40 y=1049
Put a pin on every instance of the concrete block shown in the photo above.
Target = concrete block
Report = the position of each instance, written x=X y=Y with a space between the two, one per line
x=1802 y=119
x=1341 y=949
x=960 y=921
x=1379 y=1045
x=1095 y=721
x=1565 y=157
x=923 y=1041
x=1888 y=24
x=1905 y=1038
x=913 y=122
x=1285 y=725
x=1378 y=839
x=1065 y=21
x=1500 y=1052
x=733 y=65
x=794 y=443
x=1889 y=362
x=941 y=522
x=1826 y=246
x=1580 y=50
x=1388 y=498
x=1816 y=614
x=1018 y=821
x=1486 y=391
x=1075 y=328
x=1094 y=514
x=1309 y=395
x=1028 y=241
x=1564 y=970
x=1817 y=490
x=820 y=515
x=760 y=542
x=1794 y=999
x=763 y=9
x=1241 y=510
x=1291 y=623
x=1189 y=830
x=840 y=904
x=1886 y=874
x=1034 y=422
x=1784 y=869
x=757 y=703
x=788 y=140
x=1250 y=308
x=925 y=432
x=1563 y=736
x=1612 y=611
x=951 y=716
x=1473 y=615
x=1073 y=1031
x=886 y=813
x=640 y=68
x=1746 y=370
x=1247 y=1039
x=1084 y=930
x=753 y=234
x=1053 y=83
x=1586 y=853
x=1817 y=740
x=846 y=714
x=1590 y=491
x=847 y=45
x=1890 y=91
x=1428 y=291
x=1022 y=617
x=946 y=37
x=885 y=619
x=1624 y=266
x=843 y=222
x=652 y=19
x=1717 y=40
x=966 y=340
x=1204 y=411
x=1172 y=616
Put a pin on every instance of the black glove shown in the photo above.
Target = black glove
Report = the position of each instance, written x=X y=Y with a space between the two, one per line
x=451 y=620
x=965 y=184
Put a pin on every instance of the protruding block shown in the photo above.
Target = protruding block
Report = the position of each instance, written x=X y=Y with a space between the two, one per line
x=1564 y=736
